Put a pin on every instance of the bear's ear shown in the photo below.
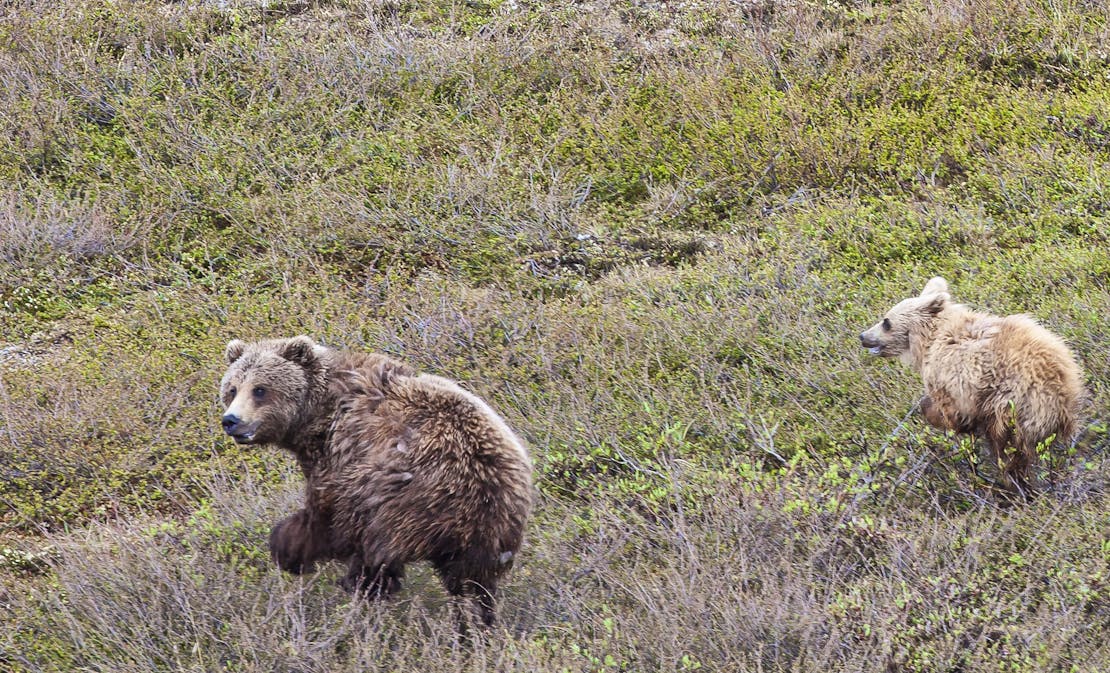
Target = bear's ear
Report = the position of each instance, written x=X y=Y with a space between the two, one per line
x=936 y=285
x=299 y=349
x=234 y=350
x=935 y=303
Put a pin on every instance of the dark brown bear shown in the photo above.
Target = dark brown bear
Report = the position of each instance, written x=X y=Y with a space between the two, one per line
x=400 y=466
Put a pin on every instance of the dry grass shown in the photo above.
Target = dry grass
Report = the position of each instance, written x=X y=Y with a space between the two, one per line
x=746 y=582
x=51 y=230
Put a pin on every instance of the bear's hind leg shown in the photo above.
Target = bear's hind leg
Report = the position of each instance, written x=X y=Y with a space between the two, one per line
x=1013 y=459
x=475 y=586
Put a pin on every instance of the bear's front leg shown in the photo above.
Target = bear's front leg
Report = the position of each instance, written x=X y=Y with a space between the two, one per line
x=374 y=580
x=297 y=543
x=940 y=411
x=935 y=413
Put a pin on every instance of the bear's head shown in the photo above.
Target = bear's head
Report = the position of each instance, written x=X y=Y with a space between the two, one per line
x=266 y=386
x=893 y=336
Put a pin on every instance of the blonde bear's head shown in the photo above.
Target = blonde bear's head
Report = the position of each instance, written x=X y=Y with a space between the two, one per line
x=892 y=336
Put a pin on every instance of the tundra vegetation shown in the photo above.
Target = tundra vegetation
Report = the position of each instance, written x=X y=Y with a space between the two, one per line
x=648 y=233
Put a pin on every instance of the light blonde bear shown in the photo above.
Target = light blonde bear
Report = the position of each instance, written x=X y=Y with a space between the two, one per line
x=1004 y=378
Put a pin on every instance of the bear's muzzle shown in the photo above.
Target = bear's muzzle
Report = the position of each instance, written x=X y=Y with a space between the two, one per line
x=872 y=344
x=234 y=426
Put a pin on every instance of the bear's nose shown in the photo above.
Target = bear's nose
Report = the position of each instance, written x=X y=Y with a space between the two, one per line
x=867 y=342
x=230 y=422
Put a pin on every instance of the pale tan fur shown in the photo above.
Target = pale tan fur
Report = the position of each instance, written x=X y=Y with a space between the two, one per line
x=1004 y=378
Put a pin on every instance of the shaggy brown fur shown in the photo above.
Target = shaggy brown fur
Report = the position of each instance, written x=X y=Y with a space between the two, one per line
x=400 y=466
x=1005 y=378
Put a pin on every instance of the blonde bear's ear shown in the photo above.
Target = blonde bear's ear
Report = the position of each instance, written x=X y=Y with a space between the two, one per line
x=936 y=285
x=935 y=303
x=234 y=350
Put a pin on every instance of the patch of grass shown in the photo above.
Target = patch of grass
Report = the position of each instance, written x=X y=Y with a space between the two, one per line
x=752 y=580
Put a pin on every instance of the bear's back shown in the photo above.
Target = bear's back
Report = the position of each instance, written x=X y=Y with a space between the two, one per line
x=445 y=407
x=985 y=363
x=1037 y=357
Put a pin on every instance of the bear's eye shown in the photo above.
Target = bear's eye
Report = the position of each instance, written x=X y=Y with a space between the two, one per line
x=259 y=392
x=231 y=393
x=886 y=324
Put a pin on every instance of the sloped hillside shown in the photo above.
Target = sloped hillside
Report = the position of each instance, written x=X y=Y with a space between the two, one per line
x=649 y=233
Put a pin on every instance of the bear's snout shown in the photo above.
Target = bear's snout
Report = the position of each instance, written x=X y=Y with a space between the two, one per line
x=872 y=344
x=242 y=433
x=230 y=423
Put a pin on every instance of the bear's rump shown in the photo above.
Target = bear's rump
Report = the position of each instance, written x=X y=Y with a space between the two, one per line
x=425 y=472
x=413 y=498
